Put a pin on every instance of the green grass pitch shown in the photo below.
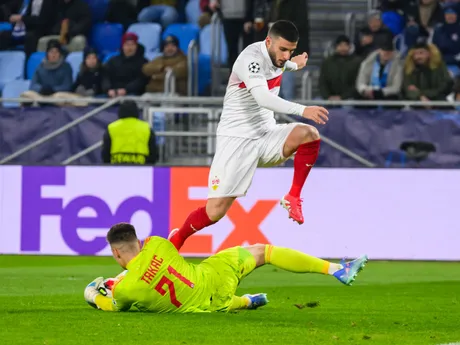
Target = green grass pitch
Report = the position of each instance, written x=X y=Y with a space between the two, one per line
x=394 y=303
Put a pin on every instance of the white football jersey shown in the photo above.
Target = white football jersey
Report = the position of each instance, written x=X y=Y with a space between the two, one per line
x=241 y=115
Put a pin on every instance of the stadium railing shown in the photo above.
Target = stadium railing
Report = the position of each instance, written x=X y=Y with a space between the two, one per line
x=207 y=108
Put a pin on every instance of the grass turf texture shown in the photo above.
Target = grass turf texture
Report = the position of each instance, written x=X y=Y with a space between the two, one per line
x=397 y=303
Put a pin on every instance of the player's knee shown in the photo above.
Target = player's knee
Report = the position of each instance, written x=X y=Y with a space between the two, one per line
x=310 y=133
x=217 y=208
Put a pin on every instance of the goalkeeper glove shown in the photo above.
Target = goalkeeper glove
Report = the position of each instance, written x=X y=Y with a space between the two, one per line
x=93 y=289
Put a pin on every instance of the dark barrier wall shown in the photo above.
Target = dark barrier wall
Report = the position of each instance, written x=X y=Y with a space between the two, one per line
x=373 y=134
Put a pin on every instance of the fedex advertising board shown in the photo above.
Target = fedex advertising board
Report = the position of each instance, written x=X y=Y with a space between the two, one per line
x=388 y=214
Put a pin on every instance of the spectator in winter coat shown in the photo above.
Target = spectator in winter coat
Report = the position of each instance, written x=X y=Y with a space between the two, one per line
x=71 y=27
x=123 y=73
x=425 y=74
x=421 y=17
x=380 y=75
x=34 y=23
x=52 y=76
x=339 y=71
x=89 y=79
x=447 y=37
x=371 y=37
x=158 y=11
x=172 y=58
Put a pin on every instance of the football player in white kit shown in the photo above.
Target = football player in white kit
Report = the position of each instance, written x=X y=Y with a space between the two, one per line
x=248 y=136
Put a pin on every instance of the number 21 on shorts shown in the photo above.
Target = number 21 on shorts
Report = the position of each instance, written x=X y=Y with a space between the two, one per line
x=170 y=284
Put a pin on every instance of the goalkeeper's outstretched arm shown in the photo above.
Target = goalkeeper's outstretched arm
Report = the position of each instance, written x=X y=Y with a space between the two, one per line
x=98 y=300
x=104 y=303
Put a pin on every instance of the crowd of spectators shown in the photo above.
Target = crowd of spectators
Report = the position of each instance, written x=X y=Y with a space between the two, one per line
x=408 y=50
x=59 y=27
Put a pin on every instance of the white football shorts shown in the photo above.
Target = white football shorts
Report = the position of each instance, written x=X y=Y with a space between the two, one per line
x=236 y=160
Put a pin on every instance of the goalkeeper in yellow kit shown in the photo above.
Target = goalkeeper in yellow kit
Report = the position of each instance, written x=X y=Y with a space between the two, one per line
x=158 y=279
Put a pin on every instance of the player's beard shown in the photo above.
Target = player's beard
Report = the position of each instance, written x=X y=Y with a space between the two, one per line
x=273 y=58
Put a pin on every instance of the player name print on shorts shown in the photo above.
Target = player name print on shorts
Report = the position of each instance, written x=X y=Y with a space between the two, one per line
x=254 y=67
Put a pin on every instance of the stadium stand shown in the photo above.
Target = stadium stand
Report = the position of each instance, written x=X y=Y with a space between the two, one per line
x=184 y=32
x=148 y=33
x=11 y=66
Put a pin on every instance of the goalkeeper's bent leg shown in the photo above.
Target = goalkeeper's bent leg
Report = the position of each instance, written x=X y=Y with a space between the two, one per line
x=291 y=260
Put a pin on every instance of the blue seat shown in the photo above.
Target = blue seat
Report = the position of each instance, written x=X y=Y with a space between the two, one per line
x=184 y=32
x=193 y=11
x=98 y=9
x=149 y=34
x=109 y=56
x=206 y=44
x=14 y=89
x=75 y=60
x=152 y=55
x=34 y=60
x=454 y=70
x=5 y=26
x=11 y=66
x=106 y=38
x=204 y=72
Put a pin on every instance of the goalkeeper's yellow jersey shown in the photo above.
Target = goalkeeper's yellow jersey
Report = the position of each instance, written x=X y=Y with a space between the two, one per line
x=160 y=280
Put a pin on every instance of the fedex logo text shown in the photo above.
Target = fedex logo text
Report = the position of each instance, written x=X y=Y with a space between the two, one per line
x=71 y=220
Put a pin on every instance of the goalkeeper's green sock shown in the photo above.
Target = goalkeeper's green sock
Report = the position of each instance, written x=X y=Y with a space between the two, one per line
x=294 y=261
x=239 y=303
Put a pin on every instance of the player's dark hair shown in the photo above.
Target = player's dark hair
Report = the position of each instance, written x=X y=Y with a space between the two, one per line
x=121 y=232
x=284 y=29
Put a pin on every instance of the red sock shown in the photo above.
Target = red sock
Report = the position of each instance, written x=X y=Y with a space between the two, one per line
x=304 y=160
x=196 y=221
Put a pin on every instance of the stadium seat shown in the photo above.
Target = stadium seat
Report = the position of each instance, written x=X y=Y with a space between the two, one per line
x=109 y=56
x=149 y=35
x=204 y=72
x=34 y=60
x=106 y=38
x=206 y=44
x=5 y=26
x=193 y=11
x=11 y=66
x=13 y=89
x=152 y=55
x=98 y=9
x=454 y=70
x=75 y=59
x=184 y=32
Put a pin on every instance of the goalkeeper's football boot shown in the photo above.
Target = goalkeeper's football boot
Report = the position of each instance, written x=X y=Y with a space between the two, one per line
x=350 y=269
x=294 y=207
x=257 y=300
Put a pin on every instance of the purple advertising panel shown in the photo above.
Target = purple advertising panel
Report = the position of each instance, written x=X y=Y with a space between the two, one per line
x=68 y=210
x=409 y=214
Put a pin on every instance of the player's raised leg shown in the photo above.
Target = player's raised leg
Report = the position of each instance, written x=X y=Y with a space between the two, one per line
x=294 y=261
x=232 y=170
x=304 y=141
x=201 y=218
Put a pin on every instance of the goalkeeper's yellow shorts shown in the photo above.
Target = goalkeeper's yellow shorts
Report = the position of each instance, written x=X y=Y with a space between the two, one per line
x=224 y=272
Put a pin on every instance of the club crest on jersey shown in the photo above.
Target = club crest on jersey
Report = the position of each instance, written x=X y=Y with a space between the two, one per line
x=254 y=67
x=215 y=183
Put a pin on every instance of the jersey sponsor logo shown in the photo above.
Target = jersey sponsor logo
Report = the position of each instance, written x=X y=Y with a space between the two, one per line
x=272 y=83
x=254 y=67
